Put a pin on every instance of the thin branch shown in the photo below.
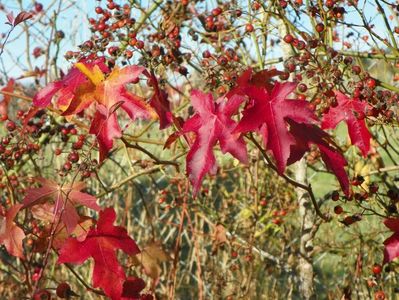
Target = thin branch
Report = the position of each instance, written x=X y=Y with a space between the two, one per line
x=307 y=188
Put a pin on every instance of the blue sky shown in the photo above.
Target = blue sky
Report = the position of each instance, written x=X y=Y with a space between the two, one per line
x=73 y=21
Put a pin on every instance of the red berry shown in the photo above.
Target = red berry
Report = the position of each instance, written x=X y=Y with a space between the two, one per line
x=222 y=60
x=140 y=45
x=38 y=7
x=288 y=38
x=320 y=27
x=73 y=131
x=64 y=290
x=283 y=3
x=37 y=51
x=67 y=166
x=302 y=87
x=379 y=295
x=330 y=3
x=371 y=83
x=302 y=97
x=277 y=221
x=77 y=145
x=11 y=126
x=73 y=157
x=99 y=10
x=377 y=269
x=111 y=5
x=217 y=11
x=255 y=5
x=338 y=209
x=300 y=45
x=373 y=188
x=356 y=70
x=249 y=28
x=206 y=54
x=335 y=196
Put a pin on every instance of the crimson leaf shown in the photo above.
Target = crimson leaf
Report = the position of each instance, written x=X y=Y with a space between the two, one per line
x=64 y=199
x=305 y=136
x=352 y=112
x=101 y=244
x=269 y=113
x=212 y=123
x=11 y=235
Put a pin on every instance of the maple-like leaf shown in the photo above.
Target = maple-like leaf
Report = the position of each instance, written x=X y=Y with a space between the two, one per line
x=269 y=112
x=106 y=128
x=101 y=244
x=109 y=91
x=150 y=258
x=9 y=88
x=59 y=234
x=90 y=82
x=308 y=134
x=64 y=90
x=11 y=235
x=212 y=123
x=64 y=199
x=261 y=79
x=159 y=101
x=352 y=112
x=391 y=250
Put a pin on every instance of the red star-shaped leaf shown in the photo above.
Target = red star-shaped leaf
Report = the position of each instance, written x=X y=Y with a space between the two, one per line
x=269 y=112
x=212 y=123
x=160 y=102
x=352 y=112
x=92 y=81
x=64 y=199
x=65 y=89
x=11 y=235
x=101 y=244
x=305 y=136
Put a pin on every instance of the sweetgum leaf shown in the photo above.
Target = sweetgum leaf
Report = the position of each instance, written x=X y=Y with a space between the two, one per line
x=150 y=258
x=11 y=235
x=306 y=135
x=101 y=244
x=92 y=81
x=269 y=112
x=159 y=101
x=106 y=128
x=60 y=233
x=212 y=123
x=348 y=111
x=64 y=199
x=65 y=89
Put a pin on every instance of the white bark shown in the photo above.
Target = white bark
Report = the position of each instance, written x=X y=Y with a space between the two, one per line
x=307 y=217
x=306 y=211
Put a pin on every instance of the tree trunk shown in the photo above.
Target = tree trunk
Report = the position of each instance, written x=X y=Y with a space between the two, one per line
x=306 y=211
x=307 y=217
